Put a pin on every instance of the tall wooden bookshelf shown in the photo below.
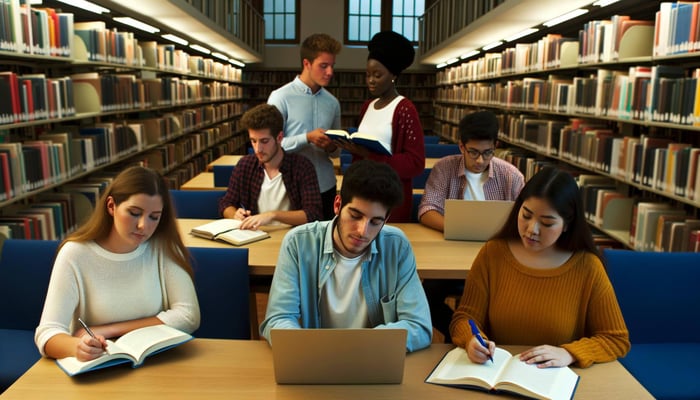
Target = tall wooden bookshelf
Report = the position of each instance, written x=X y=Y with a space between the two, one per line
x=84 y=117
x=350 y=89
x=624 y=119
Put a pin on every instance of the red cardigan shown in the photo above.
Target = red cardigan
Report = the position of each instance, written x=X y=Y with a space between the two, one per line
x=408 y=152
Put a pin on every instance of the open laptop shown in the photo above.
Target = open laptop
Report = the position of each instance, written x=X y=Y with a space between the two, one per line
x=338 y=356
x=474 y=220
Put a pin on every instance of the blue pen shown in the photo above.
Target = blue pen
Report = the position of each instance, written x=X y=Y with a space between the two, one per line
x=475 y=332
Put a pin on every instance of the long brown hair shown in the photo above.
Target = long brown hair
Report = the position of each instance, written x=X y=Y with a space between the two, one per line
x=137 y=180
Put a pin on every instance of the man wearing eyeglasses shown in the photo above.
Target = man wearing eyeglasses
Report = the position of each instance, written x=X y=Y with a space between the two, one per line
x=475 y=174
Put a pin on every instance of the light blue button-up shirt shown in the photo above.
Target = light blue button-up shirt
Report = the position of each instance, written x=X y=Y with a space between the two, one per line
x=390 y=282
x=304 y=111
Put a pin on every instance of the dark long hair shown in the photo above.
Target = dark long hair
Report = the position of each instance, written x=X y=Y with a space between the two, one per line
x=561 y=191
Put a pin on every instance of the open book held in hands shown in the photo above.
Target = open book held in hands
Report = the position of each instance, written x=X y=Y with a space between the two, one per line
x=363 y=139
x=132 y=348
x=506 y=373
x=228 y=230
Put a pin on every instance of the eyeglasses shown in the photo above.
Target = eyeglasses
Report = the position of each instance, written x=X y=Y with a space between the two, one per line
x=486 y=154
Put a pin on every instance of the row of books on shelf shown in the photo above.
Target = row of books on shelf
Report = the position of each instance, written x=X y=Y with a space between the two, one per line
x=657 y=163
x=638 y=223
x=35 y=30
x=67 y=151
x=659 y=93
x=674 y=30
x=29 y=97
x=48 y=32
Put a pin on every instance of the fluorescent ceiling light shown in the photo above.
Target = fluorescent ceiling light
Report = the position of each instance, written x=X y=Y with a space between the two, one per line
x=137 y=24
x=470 y=54
x=220 y=56
x=604 y=3
x=176 y=39
x=492 y=45
x=441 y=65
x=200 y=49
x=452 y=60
x=86 y=5
x=236 y=62
x=521 y=34
x=565 y=17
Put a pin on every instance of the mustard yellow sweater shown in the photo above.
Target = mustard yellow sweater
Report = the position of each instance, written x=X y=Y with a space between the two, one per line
x=572 y=306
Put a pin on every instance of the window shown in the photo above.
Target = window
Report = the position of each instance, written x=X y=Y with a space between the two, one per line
x=281 y=20
x=367 y=17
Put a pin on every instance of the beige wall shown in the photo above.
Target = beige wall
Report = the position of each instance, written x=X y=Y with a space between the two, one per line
x=325 y=16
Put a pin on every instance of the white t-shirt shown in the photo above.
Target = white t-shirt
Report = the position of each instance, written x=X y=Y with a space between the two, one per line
x=342 y=302
x=474 y=190
x=378 y=122
x=273 y=196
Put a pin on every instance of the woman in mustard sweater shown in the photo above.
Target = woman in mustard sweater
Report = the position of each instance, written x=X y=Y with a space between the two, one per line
x=540 y=282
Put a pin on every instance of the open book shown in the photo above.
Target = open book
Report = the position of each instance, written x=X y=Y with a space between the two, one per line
x=506 y=373
x=132 y=348
x=228 y=230
x=363 y=139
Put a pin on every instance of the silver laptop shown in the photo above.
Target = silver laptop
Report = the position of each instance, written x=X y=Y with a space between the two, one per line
x=475 y=220
x=338 y=356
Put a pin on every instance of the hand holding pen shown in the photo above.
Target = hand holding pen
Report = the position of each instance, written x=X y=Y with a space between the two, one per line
x=486 y=345
x=242 y=212
x=90 y=347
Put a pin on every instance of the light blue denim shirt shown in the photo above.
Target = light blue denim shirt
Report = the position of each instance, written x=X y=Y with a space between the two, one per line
x=304 y=111
x=393 y=291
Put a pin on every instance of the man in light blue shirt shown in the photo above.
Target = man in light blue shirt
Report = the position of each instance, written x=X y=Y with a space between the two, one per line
x=352 y=271
x=309 y=110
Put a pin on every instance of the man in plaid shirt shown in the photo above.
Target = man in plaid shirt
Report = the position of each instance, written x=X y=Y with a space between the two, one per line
x=271 y=186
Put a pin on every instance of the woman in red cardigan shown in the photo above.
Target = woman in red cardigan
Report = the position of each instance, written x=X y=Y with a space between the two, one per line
x=390 y=117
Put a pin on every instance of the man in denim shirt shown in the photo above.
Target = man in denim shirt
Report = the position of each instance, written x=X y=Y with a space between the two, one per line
x=352 y=271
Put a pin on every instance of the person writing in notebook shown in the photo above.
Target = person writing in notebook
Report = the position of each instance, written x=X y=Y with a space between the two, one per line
x=352 y=271
x=125 y=268
x=309 y=110
x=540 y=282
x=270 y=186
x=390 y=117
x=474 y=174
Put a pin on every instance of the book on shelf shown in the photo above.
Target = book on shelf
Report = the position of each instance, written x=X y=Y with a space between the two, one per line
x=363 y=139
x=505 y=374
x=133 y=347
x=228 y=230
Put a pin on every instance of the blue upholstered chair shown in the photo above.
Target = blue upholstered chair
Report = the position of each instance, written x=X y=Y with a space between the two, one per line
x=223 y=289
x=659 y=294
x=345 y=160
x=25 y=269
x=420 y=180
x=440 y=150
x=431 y=139
x=414 y=208
x=202 y=204
x=222 y=175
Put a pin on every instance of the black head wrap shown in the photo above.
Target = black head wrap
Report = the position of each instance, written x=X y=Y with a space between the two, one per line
x=391 y=49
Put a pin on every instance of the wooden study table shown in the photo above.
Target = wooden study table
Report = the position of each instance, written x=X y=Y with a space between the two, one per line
x=242 y=369
x=436 y=258
x=201 y=181
x=229 y=159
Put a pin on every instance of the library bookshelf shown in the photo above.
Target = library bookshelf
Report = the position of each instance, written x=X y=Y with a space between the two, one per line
x=75 y=111
x=624 y=119
x=350 y=88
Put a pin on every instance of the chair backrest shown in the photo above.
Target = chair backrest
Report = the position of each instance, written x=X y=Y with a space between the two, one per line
x=417 y=197
x=222 y=175
x=202 y=204
x=658 y=293
x=25 y=270
x=440 y=150
x=431 y=139
x=420 y=180
x=223 y=290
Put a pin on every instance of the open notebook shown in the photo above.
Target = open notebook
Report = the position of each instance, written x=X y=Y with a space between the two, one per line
x=338 y=356
x=473 y=219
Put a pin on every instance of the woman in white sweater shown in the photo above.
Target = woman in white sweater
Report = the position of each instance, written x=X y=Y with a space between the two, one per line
x=124 y=269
